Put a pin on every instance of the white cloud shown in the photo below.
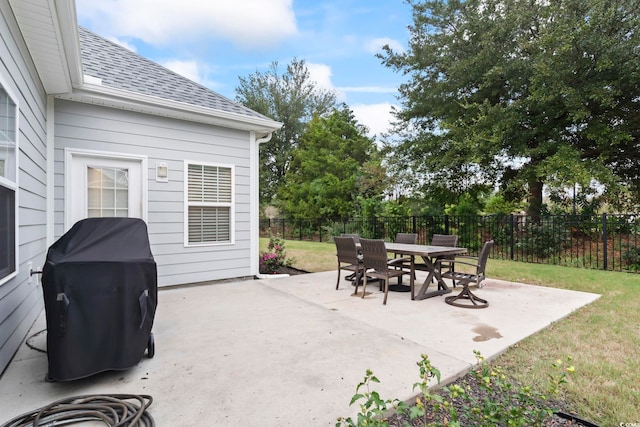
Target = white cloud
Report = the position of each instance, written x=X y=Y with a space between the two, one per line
x=375 y=45
x=321 y=75
x=188 y=69
x=369 y=89
x=192 y=70
x=247 y=23
x=377 y=117
x=123 y=44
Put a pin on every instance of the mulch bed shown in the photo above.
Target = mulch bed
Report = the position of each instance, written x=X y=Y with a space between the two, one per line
x=478 y=394
x=292 y=271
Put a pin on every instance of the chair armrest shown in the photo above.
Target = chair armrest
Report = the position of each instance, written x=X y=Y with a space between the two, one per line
x=457 y=262
x=475 y=258
x=396 y=261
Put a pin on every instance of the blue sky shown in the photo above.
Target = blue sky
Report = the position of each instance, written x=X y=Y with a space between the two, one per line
x=214 y=42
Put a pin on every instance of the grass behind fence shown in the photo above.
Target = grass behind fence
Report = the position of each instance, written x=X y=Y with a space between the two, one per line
x=603 y=337
x=603 y=242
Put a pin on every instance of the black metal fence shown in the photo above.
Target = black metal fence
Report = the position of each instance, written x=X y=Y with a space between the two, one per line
x=604 y=242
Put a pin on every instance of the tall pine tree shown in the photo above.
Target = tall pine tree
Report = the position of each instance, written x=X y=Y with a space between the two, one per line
x=334 y=164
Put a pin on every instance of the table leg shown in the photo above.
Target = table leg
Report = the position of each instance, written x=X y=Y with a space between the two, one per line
x=442 y=286
x=412 y=277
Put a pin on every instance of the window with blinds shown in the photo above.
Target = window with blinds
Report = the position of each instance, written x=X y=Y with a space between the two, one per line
x=209 y=203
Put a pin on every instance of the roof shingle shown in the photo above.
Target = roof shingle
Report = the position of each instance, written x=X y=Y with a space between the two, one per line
x=120 y=68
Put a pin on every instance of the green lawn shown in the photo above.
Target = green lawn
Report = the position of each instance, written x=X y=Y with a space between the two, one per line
x=603 y=338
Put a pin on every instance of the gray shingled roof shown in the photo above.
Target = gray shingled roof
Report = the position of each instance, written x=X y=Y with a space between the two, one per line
x=120 y=68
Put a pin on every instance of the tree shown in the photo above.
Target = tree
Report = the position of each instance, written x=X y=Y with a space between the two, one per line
x=290 y=97
x=334 y=164
x=524 y=93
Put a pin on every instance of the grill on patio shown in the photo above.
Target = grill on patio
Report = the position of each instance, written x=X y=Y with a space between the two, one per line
x=100 y=294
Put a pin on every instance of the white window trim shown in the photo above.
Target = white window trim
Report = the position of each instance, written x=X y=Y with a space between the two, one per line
x=13 y=185
x=232 y=205
x=69 y=153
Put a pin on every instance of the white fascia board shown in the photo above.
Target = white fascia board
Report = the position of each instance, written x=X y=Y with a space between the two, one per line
x=68 y=31
x=126 y=100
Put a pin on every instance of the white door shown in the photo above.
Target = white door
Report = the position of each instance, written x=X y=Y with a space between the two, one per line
x=104 y=185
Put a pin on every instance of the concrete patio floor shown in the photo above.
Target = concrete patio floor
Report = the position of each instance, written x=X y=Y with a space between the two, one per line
x=290 y=351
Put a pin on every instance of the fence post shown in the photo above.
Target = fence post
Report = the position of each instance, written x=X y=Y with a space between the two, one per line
x=511 y=236
x=604 y=241
x=283 y=235
x=446 y=224
x=413 y=224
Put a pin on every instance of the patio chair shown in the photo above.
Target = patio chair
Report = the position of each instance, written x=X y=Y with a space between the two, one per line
x=408 y=238
x=445 y=240
x=374 y=257
x=465 y=279
x=347 y=253
x=355 y=237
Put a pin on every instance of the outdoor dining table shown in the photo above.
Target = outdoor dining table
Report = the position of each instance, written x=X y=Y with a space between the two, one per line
x=429 y=255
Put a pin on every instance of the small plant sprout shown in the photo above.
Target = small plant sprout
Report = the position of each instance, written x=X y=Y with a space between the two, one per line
x=372 y=406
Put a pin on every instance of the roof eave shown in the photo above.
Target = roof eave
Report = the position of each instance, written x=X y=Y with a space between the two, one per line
x=50 y=32
x=68 y=20
x=131 y=101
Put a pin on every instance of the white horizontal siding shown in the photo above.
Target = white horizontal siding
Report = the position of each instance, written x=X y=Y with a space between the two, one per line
x=89 y=127
x=20 y=301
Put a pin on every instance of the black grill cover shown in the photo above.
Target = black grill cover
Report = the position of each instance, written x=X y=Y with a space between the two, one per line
x=100 y=296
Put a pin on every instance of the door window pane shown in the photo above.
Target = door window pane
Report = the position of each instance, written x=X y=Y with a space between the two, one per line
x=107 y=192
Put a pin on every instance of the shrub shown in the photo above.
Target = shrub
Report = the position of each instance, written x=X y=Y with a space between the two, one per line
x=631 y=257
x=275 y=258
x=541 y=240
